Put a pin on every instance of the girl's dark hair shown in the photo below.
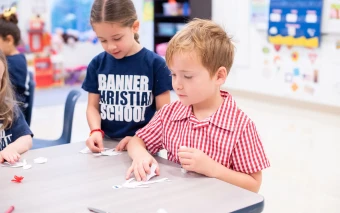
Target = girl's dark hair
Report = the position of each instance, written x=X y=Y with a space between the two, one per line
x=121 y=11
x=8 y=26
x=7 y=100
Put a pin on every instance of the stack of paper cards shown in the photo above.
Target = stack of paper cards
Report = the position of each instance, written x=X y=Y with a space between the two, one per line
x=106 y=152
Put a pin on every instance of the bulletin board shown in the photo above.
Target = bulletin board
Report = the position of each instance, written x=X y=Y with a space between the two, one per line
x=295 y=23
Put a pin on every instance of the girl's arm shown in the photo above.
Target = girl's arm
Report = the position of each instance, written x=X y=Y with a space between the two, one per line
x=162 y=99
x=22 y=144
x=92 y=111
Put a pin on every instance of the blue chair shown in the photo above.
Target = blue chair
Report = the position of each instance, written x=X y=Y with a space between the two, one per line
x=65 y=137
x=31 y=88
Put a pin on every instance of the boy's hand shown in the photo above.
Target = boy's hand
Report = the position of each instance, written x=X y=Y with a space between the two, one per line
x=196 y=160
x=95 y=142
x=141 y=166
x=10 y=155
x=122 y=144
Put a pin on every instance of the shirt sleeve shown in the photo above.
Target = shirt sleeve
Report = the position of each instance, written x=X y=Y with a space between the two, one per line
x=90 y=83
x=152 y=133
x=248 y=154
x=20 y=127
x=162 y=78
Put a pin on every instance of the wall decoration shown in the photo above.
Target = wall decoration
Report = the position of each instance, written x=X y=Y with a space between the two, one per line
x=294 y=87
x=288 y=77
x=72 y=18
x=277 y=47
x=295 y=56
x=312 y=57
x=296 y=71
x=309 y=89
x=265 y=50
x=259 y=13
x=296 y=23
x=148 y=10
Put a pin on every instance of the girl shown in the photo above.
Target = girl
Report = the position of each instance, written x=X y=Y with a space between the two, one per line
x=17 y=65
x=126 y=83
x=15 y=135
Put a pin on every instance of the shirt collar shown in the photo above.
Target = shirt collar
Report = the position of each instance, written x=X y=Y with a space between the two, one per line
x=224 y=117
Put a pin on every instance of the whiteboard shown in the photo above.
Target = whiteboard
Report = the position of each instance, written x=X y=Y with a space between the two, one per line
x=233 y=15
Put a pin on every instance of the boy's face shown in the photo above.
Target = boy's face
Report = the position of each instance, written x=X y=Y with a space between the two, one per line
x=117 y=40
x=192 y=81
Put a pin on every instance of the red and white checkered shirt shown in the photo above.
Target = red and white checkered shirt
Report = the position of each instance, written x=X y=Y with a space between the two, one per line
x=228 y=136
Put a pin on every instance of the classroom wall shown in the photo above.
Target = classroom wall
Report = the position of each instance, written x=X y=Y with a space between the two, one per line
x=314 y=76
x=82 y=52
x=256 y=68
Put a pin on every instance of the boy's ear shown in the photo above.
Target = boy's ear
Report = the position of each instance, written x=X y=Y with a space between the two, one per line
x=135 y=26
x=221 y=75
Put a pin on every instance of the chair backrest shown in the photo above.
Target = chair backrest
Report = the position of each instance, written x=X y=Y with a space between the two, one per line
x=68 y=115
x=31 y=89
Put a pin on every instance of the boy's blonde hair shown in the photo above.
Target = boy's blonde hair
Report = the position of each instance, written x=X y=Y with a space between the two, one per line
x=208 y=40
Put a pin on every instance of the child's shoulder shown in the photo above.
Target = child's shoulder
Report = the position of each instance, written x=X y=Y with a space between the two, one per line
x=174 y=111
x=232 y=113
x=16 y=58
x=153 y=57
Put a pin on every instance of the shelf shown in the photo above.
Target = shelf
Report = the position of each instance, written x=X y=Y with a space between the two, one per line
x=171 y=17
x=163 y=36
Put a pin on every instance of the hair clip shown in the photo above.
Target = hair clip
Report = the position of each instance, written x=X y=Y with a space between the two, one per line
x=8 y=12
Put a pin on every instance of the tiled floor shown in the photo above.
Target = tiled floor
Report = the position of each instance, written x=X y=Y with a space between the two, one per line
x=302 y=145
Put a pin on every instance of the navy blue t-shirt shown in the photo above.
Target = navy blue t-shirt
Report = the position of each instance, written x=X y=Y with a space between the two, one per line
x=127 y=89
x=19 y=128
x=19 y=77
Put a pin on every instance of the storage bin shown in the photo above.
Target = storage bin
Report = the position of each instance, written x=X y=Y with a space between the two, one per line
x=166 y=29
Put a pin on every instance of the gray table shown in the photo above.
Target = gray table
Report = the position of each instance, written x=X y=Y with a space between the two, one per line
x=71 y=182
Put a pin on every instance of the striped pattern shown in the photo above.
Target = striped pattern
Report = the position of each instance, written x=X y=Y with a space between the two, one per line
x=228 y=136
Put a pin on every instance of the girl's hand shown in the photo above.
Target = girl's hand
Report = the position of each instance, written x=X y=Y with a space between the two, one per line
x=1 y=158
x=95 y=142
x=10 y=155
x=122 y=144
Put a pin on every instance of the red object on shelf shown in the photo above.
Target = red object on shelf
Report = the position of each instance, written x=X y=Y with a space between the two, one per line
x=36 y=34
x=43 y=72
x=36 y=40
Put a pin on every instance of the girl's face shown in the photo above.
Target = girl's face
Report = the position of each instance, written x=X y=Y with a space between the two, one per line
x=6 y=45
x=117 y=40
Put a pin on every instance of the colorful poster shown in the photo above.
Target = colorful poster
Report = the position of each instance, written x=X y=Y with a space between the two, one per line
x=295 y=23
x=259 y=13
x=331 y=17
x=148 y=10
x=71 y=20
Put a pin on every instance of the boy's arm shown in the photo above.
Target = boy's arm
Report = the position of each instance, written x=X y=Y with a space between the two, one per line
x=197 y=161
x=141 y=159
x=149 y=137
x=251 y=182
x=247 y=161
x=162 y=99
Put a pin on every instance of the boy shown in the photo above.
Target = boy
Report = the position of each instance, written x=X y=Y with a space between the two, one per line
x=204 y=131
